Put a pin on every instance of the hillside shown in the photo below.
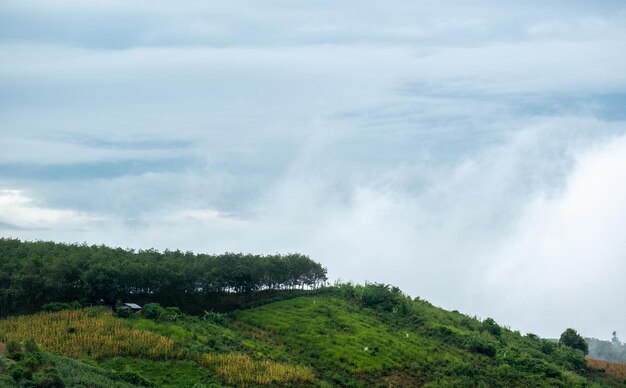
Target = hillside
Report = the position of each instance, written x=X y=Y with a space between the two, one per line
x=324 y=339
x=344 y=335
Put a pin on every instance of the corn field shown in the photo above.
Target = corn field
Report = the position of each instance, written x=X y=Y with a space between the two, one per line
x=239 y=369
x=614 y=369
x=91 y=334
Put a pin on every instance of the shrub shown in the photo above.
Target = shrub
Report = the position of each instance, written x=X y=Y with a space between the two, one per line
x=152 y=311
x=13 y=347
x=480 y=344
x=19 y=373
x=30 y=346
x=49 y=378
x=383 y=297
x=490 y=326
x=171 y=314
x=132 y=378
x=214 y=317
x=571 y=358
x=547 y=347
x=32 y=360
x=58 y=306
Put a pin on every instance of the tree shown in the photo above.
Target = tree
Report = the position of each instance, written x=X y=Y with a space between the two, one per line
x=572 y=339
x=615 y=340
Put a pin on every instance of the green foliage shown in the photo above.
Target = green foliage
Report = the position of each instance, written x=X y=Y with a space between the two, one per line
x=570 y=358
x=490 y=326
x=214 y=317
x=49 y=378
x=132 y=377
x=58 y=306
x=171 y=373
x=122 y=313
x=19 y=373
x=30 y=346
x=547 y=346
x=171 y=314
x=13 y=346
x=572 y=339
x=482 y=344
x=152 y=311
x=35 y=274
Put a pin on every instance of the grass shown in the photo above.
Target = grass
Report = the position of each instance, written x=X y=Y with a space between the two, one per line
x=169 y=374
x=336 y=332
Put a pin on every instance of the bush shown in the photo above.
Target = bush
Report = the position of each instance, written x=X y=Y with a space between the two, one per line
x=152 y=311
x=573 y=359
x=32 y=360
x=132 y=378
x=14 y=348
x=547 y=347
x=171 y=314
x=211 y=316
x=572 y=339
x=490 y=326
x=58 y=306
x=30 y=346
x=480 y=344
x=19 y=373
x=383 y=297
x=49 y=378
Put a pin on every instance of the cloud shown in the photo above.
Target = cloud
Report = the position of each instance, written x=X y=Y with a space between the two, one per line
x=565 y=258
x=19 y=211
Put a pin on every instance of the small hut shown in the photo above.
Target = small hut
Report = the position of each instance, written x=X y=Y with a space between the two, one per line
x=131 y=307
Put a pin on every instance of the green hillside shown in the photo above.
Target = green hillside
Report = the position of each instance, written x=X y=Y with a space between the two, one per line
x=324 y=339
x=343 y=335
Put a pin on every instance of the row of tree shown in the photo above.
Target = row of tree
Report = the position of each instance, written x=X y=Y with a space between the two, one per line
x=35 y=273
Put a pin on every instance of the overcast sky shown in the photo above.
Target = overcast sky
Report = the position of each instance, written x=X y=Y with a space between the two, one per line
x=474 y=155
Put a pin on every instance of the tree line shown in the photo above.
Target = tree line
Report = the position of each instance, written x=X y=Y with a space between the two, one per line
x=35 y=273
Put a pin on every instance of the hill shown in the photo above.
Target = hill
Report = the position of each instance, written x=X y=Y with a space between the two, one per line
x=343 y=335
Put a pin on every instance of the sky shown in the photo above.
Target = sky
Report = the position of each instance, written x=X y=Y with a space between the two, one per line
x=473 y=155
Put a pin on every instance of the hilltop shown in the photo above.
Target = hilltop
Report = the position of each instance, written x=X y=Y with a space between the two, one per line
x=341 y=335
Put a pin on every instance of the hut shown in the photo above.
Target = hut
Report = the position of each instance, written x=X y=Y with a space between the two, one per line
x=131 y=307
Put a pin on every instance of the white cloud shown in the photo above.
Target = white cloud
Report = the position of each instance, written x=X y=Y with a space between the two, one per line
x=20 y=211
x=566 y=257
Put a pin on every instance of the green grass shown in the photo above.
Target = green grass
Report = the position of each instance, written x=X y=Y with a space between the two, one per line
x=332 y=331
x=165 y=373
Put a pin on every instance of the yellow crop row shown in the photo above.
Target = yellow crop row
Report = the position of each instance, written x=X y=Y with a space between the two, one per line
x=611 y=368
x=79 y=334
x=239 y=369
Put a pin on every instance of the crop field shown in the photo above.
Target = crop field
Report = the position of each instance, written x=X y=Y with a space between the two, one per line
x=240 y=369
x=614 y=369
x=92 y=333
